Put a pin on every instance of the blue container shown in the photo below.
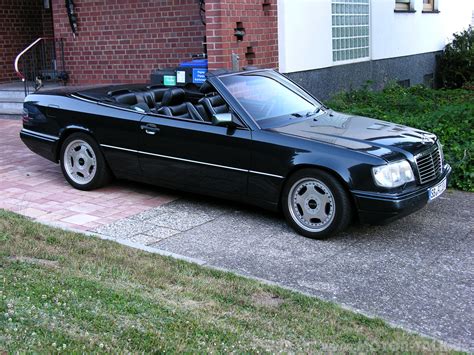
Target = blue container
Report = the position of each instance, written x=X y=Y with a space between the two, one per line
x=197 y=63
x=192 y=72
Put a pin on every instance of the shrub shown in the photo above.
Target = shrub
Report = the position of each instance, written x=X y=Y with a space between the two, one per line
x=447 y=113
x=456 y=64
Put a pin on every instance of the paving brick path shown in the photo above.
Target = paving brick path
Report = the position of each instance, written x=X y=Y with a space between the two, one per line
x=35 y=187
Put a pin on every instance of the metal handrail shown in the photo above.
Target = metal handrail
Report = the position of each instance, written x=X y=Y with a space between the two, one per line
x=17 y=59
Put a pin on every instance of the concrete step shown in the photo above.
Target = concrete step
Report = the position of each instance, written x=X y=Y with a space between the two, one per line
x=12 y=95
x=12 y=99
x=11 y=108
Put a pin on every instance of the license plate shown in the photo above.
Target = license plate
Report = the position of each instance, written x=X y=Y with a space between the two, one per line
x=437 y=190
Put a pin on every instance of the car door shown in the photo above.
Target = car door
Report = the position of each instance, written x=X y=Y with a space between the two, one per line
x=195 y=156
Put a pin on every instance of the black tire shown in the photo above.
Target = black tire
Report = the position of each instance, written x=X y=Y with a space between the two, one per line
x=99 y=172
x=337 y=210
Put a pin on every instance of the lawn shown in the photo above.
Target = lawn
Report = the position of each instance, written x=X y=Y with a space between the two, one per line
x=62 y=291
x=447 y=113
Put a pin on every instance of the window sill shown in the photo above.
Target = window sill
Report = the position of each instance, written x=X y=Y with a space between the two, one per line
x=430 y=12
x=404 y=11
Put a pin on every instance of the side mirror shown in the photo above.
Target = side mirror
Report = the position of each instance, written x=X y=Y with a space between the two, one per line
x=224 y=119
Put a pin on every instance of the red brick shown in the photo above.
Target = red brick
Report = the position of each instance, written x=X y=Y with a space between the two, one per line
x=125 y=40
x=261 y=29
x=21 y=22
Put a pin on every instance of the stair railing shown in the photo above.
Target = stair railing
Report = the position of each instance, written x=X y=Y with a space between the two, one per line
x=38 y=63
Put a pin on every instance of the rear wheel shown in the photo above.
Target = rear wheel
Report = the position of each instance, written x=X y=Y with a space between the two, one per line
x=82 y=162
x=315 y=204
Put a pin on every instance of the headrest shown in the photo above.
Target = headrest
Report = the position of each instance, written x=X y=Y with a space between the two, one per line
x=216 y=100
x=173 y=97
x=126 y=99
x=206 y=88
x=149 y=98
x=158 y=93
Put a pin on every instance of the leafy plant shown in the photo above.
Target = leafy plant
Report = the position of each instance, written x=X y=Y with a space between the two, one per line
x=456 y=64
x=447 y=113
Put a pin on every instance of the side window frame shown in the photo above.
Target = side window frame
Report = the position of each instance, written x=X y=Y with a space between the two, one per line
x=234 y=106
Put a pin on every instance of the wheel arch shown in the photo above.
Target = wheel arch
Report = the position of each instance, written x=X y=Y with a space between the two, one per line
x=65 y=133
x=332 y=172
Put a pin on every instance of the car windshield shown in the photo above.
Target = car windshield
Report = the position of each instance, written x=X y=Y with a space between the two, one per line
x=267 y=95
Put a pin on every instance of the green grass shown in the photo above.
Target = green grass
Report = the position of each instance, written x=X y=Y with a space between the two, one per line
x=62 y=291
x=447 y=113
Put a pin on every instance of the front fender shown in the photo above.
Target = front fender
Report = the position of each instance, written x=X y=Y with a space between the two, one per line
x=278 y=156
x=353 y=168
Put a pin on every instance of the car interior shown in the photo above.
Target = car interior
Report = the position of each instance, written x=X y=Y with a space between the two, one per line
x=179 y=102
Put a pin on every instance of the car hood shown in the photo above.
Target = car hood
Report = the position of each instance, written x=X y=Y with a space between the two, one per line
x=380 y=138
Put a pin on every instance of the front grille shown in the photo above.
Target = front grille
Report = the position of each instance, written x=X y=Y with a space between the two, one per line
x=429 y=164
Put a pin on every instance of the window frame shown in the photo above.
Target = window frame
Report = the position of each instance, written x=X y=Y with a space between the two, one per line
x=431 y=7
x=401 y=5
x=404 y=6
x=368 y=35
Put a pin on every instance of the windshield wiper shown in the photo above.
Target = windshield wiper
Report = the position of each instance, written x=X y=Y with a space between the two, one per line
x=312 y=113
x=308 y=114
x=296 y=114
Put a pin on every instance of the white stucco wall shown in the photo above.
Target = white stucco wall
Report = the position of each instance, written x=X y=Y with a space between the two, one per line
x=305 y=35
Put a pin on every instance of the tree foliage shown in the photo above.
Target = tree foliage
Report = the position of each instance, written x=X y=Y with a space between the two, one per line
x=456 y=63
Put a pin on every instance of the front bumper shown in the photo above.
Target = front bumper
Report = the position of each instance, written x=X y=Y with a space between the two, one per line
x=376 y=208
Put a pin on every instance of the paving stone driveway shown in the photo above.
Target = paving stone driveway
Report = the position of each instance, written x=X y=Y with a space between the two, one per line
x=35 y=187
x=417 y=272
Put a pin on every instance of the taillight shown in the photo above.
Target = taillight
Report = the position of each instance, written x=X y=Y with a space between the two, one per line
x=25 y=116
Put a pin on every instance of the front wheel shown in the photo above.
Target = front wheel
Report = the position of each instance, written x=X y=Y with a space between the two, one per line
x=82 y=162
x=315 y=204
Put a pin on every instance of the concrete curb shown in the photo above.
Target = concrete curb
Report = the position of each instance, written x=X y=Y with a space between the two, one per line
x=126 y=243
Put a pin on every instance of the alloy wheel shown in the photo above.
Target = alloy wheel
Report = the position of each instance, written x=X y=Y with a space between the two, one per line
x=311 y=204
x=80 y=162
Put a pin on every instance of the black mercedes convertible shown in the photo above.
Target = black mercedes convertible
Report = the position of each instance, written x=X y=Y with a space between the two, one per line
x=253 y=136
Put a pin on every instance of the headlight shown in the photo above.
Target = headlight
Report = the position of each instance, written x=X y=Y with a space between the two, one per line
x=393 y=174
x=441 y=153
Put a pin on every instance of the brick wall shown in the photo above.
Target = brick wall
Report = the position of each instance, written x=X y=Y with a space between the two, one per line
x=259 y=45
x=21 y=22
x=123 y=40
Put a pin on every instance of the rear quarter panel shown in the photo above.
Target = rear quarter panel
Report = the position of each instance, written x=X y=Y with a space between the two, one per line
x=60 y=116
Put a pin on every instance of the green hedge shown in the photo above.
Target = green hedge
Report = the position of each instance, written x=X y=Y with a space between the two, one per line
x=447 y=113
x=456 y=64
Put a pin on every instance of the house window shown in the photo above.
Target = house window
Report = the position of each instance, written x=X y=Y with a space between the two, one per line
x=402 y=5
x=428 y=5
x=350 y=30
x=404 y=83
x=428 y=80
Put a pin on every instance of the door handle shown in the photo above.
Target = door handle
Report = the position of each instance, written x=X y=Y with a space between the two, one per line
x=150 y=129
